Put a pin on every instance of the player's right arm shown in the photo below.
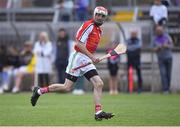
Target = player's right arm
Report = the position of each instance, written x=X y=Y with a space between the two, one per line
x=84 y=50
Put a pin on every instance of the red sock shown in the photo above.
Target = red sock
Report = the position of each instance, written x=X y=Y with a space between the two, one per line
x=44 y=90
x=98 y=107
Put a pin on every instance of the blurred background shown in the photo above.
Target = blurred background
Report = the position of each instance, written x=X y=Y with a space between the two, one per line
x=21 y=21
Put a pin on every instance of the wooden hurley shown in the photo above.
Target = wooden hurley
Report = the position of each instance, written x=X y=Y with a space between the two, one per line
x=120 y=49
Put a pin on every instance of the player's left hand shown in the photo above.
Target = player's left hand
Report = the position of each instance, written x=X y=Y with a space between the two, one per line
x=95 y=60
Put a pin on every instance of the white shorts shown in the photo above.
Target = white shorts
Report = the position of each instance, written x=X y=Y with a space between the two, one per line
x=76 y=59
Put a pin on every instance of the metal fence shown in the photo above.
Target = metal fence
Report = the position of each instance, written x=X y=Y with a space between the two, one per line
x=16 y=33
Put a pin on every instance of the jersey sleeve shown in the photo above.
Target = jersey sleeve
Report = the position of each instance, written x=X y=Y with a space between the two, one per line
x=84 y=32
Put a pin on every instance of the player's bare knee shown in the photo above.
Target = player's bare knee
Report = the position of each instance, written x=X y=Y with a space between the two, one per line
x=68 y=88
x=100 y=84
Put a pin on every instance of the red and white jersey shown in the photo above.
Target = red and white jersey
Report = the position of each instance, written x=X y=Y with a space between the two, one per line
x=89 y=34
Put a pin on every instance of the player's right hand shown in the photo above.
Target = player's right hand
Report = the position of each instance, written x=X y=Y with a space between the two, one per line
x=95 y=60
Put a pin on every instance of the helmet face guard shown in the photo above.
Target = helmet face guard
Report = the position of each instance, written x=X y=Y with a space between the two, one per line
x=100 y=11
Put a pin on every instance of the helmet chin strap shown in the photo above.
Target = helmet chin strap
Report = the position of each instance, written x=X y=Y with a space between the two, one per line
x=98 y=23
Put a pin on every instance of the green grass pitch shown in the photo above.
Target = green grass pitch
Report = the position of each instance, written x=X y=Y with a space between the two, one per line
x=69 y=110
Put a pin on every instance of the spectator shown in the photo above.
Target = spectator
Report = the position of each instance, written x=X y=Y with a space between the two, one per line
x=27 y=62
x=2 y=64
x=82 y=9
x=159 y=13
x=63 y=49
x=9 y=60
x=163 y=47
x=112 y=64
x=177 y=3
x=134 y=45
x=11 y=64
x=13 y=57
x=64 y=9
x=43 y=51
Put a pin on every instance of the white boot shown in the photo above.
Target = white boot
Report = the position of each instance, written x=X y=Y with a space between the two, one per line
x=15 y=90
x=5 y=87
x=78 y=92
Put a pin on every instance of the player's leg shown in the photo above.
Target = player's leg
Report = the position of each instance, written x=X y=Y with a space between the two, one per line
x=94 y=78
x=67 y=86
x=98 y=85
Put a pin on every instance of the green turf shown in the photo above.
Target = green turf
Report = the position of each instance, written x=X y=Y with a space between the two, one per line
x=67 y=109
